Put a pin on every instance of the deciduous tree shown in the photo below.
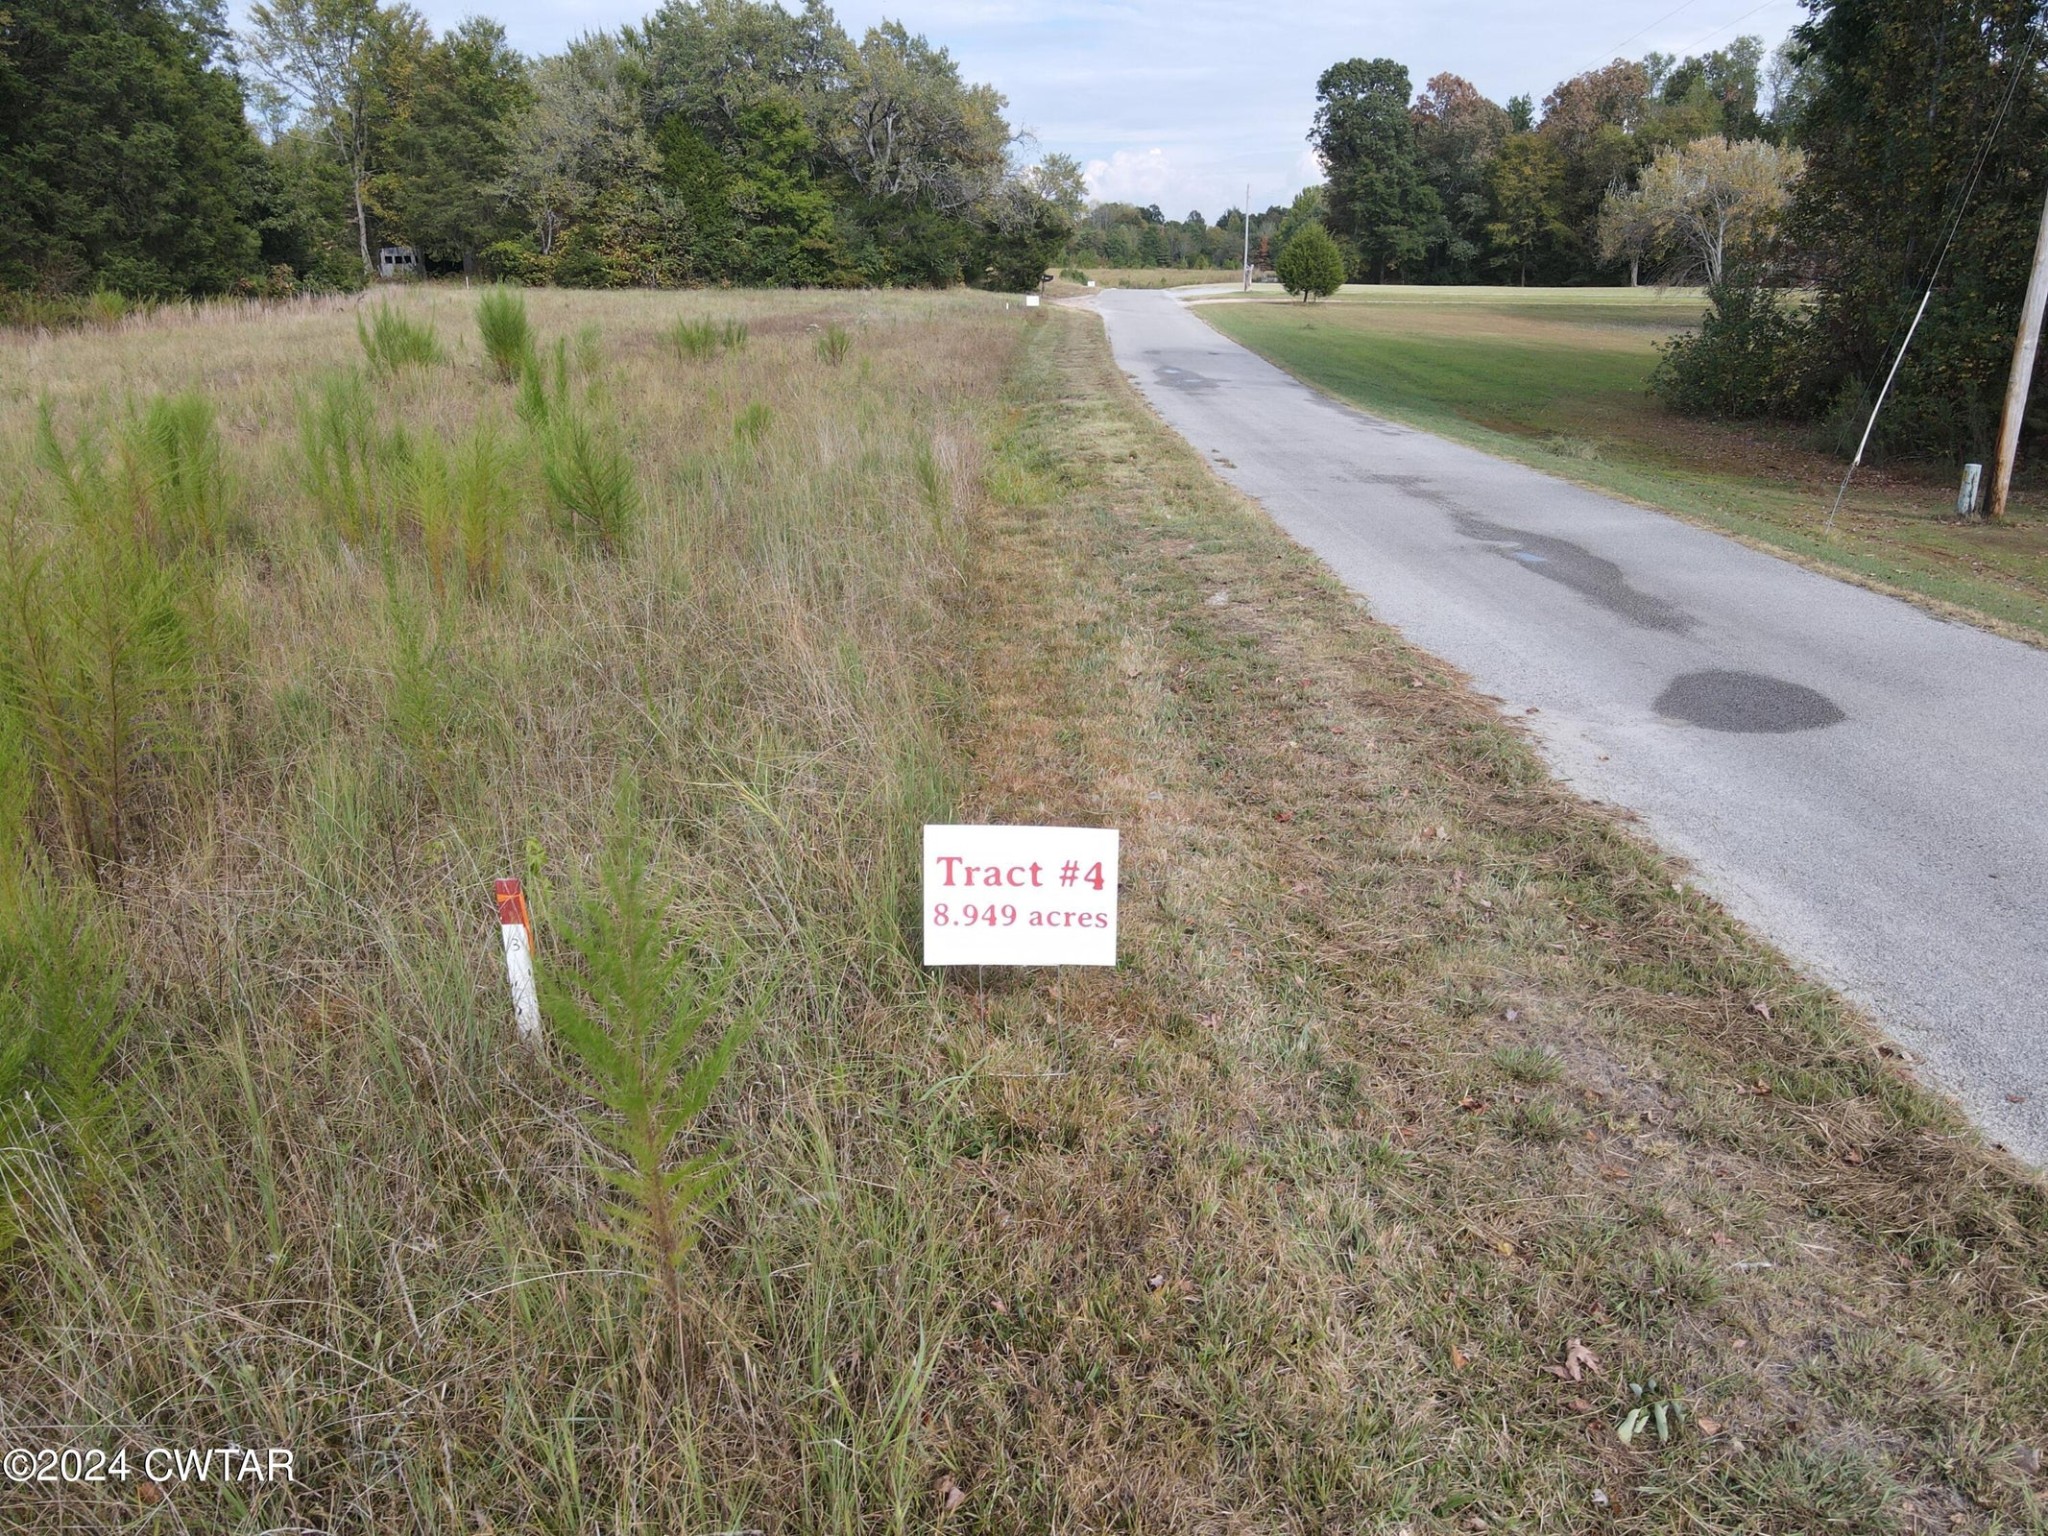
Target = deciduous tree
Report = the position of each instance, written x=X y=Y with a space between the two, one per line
x=1525 y=183
x=316 y=61
x=1710 y=200
x=1379 y=202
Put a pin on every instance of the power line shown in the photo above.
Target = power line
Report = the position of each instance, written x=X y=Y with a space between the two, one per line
x=1708 y=37
x=1615 y=51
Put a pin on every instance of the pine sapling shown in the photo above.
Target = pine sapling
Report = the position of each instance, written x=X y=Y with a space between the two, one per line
x=651 y=1025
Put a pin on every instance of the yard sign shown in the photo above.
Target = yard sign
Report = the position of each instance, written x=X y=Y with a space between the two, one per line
x=1019 y=895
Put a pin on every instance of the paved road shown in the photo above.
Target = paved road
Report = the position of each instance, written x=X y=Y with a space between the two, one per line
x=1863 y=783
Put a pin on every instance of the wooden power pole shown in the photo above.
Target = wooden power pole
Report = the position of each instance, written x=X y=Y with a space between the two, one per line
x=2024 y=347
x=1247 y=237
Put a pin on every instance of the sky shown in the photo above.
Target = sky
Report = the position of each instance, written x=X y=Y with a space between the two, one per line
x=1183 y=102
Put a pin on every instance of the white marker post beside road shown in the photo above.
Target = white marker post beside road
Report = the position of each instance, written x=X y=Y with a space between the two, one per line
x=1019 y=895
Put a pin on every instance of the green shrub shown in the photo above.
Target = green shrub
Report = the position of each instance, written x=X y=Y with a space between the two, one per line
x=460 y=503
x=541 y=388
x=168 y=486
x=485 y=504
x=834 y=344
x=1744 y=361
x=62 y=974
x=1310 y=264
x=393 y=340
x=516 y=261
x=507 y=334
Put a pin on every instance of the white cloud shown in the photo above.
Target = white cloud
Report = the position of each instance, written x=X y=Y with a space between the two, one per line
x=1131 y=176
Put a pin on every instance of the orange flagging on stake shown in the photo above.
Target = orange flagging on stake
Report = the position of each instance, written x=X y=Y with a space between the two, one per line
x=515 y=926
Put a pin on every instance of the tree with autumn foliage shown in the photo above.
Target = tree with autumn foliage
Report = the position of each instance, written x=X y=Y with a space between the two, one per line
x=1458 y=132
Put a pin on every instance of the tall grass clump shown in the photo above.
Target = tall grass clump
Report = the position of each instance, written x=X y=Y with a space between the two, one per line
x=507 y=333
x=631 y=1010
x=393 y=340
x=751 y=425
x=341 y=456
x=834 y=343
x=696 y=339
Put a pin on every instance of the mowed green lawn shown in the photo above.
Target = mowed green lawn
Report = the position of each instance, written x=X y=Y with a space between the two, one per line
x=1559 y=378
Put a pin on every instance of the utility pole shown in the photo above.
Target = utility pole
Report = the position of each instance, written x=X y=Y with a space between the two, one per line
x=2024 y=346
x=1248 y=236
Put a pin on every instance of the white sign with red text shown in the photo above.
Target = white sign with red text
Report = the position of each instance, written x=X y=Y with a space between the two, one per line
x=1019 y=896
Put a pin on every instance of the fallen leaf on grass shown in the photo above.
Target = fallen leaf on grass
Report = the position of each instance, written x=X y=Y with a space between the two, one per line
x=1708 y=1427
x=1579 y=1405
x=1761 y=1010
x=949 y=1493
x=1459 y=1359
x=1283 y=815
x=1610 y=1171
x=1577 y=1361
x=1471 y=1105
x=1852 y=1157
x=1154 y=1282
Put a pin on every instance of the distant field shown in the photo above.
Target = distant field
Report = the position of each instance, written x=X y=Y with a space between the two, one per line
x=1558 y=378
x=1157 y=277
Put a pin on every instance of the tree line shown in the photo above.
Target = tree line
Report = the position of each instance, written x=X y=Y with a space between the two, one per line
x=146 y=150
x=1817 y=196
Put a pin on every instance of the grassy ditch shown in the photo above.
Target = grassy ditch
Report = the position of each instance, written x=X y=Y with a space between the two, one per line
x=1559 y=379
x=1419 y=1078
x=1418 y=1071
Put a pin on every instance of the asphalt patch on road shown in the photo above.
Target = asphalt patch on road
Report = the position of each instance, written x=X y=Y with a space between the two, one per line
x=1746 y=702
x=1592 y=576
x=1183 y=378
